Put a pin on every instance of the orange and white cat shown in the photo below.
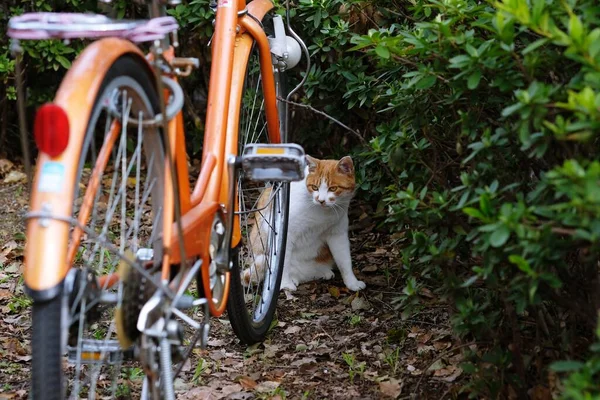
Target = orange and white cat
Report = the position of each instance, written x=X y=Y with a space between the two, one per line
x=318 y=225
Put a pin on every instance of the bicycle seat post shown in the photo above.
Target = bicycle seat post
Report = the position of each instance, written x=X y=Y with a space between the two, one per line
x=156 y=9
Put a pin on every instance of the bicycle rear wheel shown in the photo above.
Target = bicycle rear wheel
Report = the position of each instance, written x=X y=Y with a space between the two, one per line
x=120 y=186
x=263 y=213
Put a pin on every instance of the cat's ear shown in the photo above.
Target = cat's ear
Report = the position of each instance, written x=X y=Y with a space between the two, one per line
x=346 y=166
x=312 y=163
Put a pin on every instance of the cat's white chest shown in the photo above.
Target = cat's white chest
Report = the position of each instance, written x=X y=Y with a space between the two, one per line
x=310 y=224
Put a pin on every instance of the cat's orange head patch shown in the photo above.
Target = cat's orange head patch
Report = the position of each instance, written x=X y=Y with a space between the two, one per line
x=330 y=181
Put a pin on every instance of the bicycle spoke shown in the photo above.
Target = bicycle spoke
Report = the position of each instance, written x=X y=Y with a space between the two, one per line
x=125 y=214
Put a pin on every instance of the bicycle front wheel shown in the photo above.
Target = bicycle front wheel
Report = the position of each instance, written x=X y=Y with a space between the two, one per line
x=118 y=198
x=263 y=215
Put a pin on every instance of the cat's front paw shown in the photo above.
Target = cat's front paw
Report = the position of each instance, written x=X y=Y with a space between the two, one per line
x=328 y=275
x=356 y=285
x=288 y=285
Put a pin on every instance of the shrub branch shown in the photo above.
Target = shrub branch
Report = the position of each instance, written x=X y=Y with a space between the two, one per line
x=354 y=132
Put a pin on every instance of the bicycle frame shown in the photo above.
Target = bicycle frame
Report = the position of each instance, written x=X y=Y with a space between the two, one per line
x=236 y=30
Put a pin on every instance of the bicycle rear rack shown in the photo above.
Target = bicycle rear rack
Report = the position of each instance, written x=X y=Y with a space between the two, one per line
x=39 y=26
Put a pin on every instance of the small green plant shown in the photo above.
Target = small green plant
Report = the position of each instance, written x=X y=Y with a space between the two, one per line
x=354 y=368
x=392 y=359
x=19 y=303
x=123 y=391
x=274 y=323
x=133 y=374
x=200 y=368
x=354 y=320
x=99 y=333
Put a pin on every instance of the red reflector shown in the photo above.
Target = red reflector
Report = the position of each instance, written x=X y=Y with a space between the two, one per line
x=51 y=129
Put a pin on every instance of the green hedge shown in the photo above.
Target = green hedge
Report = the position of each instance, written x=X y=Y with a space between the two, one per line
x=487 y=118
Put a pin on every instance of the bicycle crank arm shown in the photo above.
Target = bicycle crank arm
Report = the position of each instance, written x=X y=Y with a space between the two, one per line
x=284 y=162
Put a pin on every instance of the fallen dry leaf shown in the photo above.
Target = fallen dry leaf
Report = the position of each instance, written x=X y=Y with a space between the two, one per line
x=306 y=360
x=216 y=342
x=270 y=350
x=5 y=166
x=6 y=250
x=15 y=177
x=200 y=393
x=424 y=338
x=334 y=291
x=247 y=382
x=360 y=304
x=414 y=332
x=267 y=386
x=391 y=388
x=369 y=268
x=5 y=294
x=441 y=345
x=12 y=268
x=448 y=374
x=436 y=366
x=292 y=330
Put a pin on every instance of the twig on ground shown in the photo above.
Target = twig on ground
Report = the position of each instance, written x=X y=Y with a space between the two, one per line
x=328 y=335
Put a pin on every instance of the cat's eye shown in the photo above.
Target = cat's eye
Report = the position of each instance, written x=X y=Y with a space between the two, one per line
x=333 y=188
x=313 y=187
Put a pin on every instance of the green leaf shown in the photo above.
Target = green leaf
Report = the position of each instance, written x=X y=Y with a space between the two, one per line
x=576 y=29
x=472 y=51
x=484 y=204
x=468 y=367
x=382 y=51
x=426 y=82
x=566 y=366
x=521 y=263
x=532 y=46
x=593 y=42
x=499 y=236
x=317 y=18
x=473 y=212
x=469 y=281
x=460 y=61
x=63 y=61
x=512 y=109
x=474 y=79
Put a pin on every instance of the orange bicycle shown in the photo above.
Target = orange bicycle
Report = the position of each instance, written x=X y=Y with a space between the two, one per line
x=124 y=260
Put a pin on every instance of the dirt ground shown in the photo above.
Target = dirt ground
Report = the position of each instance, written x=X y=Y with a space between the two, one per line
x=327 y=343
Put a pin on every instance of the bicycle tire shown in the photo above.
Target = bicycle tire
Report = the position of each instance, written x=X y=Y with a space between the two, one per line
x=247 y=328
x=48 y=318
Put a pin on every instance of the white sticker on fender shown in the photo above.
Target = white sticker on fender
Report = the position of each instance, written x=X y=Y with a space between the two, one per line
x=52 y=177
x=224 y=3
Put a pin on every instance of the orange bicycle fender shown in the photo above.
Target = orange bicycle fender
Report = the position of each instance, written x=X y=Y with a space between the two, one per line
x=258 y=8
x=54 y=181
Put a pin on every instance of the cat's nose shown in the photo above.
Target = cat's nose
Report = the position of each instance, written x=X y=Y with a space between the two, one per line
x=322 y=202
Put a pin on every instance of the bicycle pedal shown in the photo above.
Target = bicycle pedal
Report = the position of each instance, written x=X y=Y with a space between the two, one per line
x=99 y=352
x=273 y=162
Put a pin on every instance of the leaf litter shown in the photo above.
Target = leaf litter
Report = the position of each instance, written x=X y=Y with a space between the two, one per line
x=328 y=342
